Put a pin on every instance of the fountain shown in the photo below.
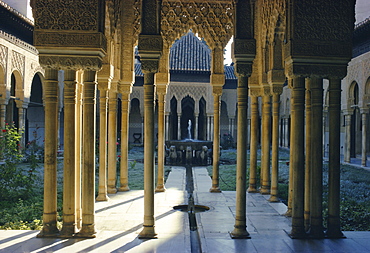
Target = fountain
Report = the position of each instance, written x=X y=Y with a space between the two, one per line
x=188 y=151
x=192 y=209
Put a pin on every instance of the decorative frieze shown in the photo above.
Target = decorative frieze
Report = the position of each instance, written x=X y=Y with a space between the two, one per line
x=84 y=40
x=70 y=62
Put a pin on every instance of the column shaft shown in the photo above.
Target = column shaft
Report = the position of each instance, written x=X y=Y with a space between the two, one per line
x=316 y=229
x=265 y=147
x=297 y=157
x=112 y=139
x=254 y=145
x=179 y=126
x=241 y=164
x=334 y=230
x=364 y=139
x=308 y=158
x=69 y=170
x=275 y=149
x=161 y=151
x=347 y=146
x=148 y=230
x=103 y=99
x=124 y=142
x=49 y=228
x=216 y=139
x=79 y=150
x=88 y=156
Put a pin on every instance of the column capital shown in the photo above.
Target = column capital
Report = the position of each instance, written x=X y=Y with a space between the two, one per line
x=277 y=89
x=125 y=88
x=254 y=91
x=217 y=80
x=217 y=90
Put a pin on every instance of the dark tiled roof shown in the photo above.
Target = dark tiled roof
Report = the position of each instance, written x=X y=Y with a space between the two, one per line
x=229 y=72
x=190 y=54
x=361 y=38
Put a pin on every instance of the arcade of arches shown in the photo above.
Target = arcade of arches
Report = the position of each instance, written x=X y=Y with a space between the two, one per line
x=278 y=46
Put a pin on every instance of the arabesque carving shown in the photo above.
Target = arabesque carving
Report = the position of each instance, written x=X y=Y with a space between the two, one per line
x=75 y=15
x=18 y=61
x=212 y=20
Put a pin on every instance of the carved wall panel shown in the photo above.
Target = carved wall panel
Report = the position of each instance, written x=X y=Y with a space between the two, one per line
x=18 y=62
x=3 y=55
x=75 y=15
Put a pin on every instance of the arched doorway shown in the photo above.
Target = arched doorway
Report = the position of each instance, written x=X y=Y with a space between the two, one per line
x=11 y=108
x=355 y=144
x=135 y=132
x=187 y=115
x=35 y=113
x=202 y=119
x=173 y=129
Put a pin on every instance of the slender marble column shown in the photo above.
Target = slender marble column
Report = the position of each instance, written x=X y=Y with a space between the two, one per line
x=79 y=148
x=161 y=94
x=125 y=92
x=347 y=145
x=241 y=164
x=334 y=230
x=179 y=126
x=2 y=105
x=196 y=126
x=275 y=148
x=148 y=230
x=316 y=229
x=308 y=158
x=112 y=139
x=69 y=170
x=297 y=157
x=103 y=99
x=265 y=149
x=254 y=145
x=88 y=156
x=21 y=120
x=167 y=131
x=217 y=91
x=49 y=228
x=364 y=138
x=208 y=128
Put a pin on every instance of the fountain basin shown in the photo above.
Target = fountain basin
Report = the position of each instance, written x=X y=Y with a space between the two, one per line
x=188 y=152
x=197 y=208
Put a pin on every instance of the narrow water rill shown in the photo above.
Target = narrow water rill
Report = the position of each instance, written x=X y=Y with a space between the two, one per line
x=192 y=209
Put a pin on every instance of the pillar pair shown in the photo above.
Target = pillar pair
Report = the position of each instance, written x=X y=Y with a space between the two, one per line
x=306 y=181
x=72 y=160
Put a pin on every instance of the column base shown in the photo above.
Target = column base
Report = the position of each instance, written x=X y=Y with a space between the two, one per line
x=124 y=188
x=160 y=188
x=102 y=197
x=68 y=230
x=48 y=230
x=239 y=233
x=265 y=191
x=87 y=231
x=215 y=189
x=111 y=190
x=334 y=233
x=148 y=233
x=298 y=233
x=288 y=213
x=252 y=189
x=274 y=198
x=316 y=232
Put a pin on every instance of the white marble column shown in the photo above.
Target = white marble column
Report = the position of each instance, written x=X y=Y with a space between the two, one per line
x=364 y=138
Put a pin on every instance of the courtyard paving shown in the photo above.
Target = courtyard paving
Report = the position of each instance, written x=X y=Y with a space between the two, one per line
x=119 y=221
